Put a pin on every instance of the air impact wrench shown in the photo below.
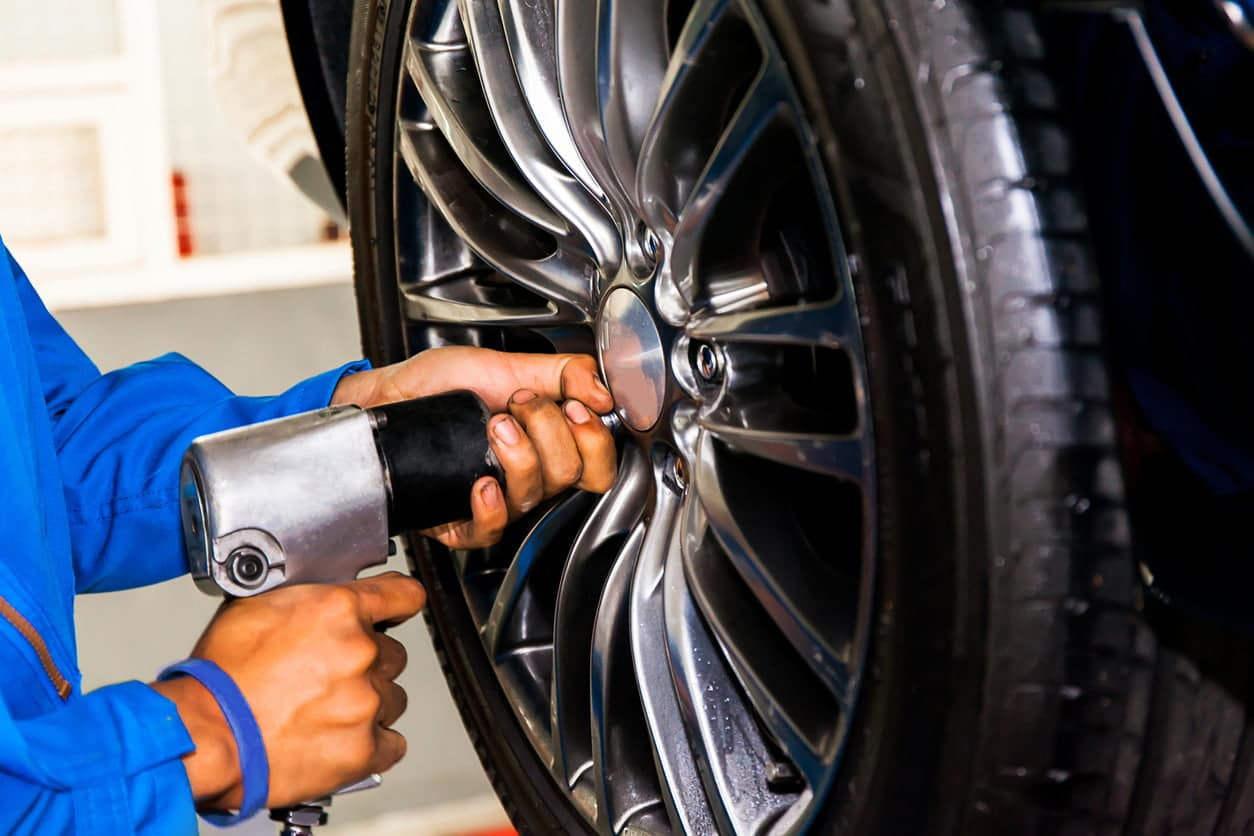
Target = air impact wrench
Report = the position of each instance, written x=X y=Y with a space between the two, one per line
x=316 y=497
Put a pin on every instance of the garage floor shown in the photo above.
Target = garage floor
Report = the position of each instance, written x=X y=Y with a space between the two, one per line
x=259 y=344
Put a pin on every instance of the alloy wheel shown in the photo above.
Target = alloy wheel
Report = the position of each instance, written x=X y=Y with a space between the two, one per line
x=641 y=180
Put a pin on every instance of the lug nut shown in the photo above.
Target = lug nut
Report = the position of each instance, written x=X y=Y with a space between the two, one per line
x=649 y=243
x=679 y=472
x=709 y=363
x=782 y=777
x=643 y=252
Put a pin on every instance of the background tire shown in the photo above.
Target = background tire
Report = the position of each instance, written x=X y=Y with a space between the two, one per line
x=1013 y=683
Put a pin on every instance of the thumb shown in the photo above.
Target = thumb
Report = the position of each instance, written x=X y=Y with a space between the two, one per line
x=563 y=377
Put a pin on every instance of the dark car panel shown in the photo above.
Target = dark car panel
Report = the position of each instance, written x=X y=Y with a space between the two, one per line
x=318 y=35
x=1178 y=287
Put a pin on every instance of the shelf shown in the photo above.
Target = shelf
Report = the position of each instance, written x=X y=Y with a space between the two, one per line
x=198 y=276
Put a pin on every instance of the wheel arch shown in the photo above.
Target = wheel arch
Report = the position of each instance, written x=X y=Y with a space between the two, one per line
x=319 y=50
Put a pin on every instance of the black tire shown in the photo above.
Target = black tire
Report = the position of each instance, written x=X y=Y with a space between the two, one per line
x=1015 y=684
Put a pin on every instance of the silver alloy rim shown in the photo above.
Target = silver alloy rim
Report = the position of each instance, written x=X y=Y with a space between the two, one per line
x=685 y=652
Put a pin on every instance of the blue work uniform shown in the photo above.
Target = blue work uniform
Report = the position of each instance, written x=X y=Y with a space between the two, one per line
x=89 y=488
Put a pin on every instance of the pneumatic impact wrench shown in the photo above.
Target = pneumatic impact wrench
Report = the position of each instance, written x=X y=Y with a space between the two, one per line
x=316 y=497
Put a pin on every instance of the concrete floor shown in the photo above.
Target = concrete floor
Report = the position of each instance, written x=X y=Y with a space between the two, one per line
x=259 y=344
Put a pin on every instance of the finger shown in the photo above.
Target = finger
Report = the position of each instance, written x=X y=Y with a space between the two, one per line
x=389 y=748
x=392 y=703
x=392 y=657
x=489 y=521
x=546 y=426
x=451 y=535
x=490 y=515
x=562 y=376
x=487 y=525
x=596 y=448
x=581 y=381
x=390 y=598
x=523 y=486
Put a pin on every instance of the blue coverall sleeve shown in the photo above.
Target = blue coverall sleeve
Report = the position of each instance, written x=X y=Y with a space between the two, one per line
x=120 y=438
x=129 y=780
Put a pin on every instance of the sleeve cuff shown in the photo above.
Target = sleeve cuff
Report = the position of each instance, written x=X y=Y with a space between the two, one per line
x=312 y=393
x=316 y=392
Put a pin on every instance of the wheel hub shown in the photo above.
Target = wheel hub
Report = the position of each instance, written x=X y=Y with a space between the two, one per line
x=632 y=358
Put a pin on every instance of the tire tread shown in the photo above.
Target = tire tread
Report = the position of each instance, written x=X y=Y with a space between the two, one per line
x=1069 y=665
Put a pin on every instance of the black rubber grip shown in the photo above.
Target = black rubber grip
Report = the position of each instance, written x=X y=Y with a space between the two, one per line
x=434 y=449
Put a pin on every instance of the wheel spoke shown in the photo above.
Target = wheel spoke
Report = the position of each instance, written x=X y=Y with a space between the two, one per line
x=844 y=457
x=719 y=724
x=538 y=544
x=524 y=142
x=806 y=603
x=420 y=305
x=669 y=123
x=576 y=54
x=492 y=232
x=763 y=105
x=776 y=682
x=680 y=778
x=530 y=28
x=595 y=549
x=827 y=324
x=800 y=722
x=631 y=63
x=444 y=257
x=449 y=87
x=623 y=772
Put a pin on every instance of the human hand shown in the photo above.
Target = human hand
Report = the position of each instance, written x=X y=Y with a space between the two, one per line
x=544 y=448
x=493 y=375
x=319 y=680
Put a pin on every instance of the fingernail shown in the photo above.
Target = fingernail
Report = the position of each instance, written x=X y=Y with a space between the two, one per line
x=523 y=395
x=507 y=431
x=491 y=494
x=577 y=412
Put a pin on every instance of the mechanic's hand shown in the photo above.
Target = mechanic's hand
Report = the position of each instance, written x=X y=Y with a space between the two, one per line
x=493 y=375
x=547 y=438
x=544 y=449
x=319 y=679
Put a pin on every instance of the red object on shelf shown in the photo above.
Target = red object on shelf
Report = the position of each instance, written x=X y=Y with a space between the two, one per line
x=182 y=221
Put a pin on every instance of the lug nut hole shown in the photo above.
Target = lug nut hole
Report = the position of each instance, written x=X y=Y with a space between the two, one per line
x=707 y=361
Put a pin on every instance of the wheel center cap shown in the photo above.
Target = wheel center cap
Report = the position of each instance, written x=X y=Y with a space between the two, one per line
x=632 y=358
